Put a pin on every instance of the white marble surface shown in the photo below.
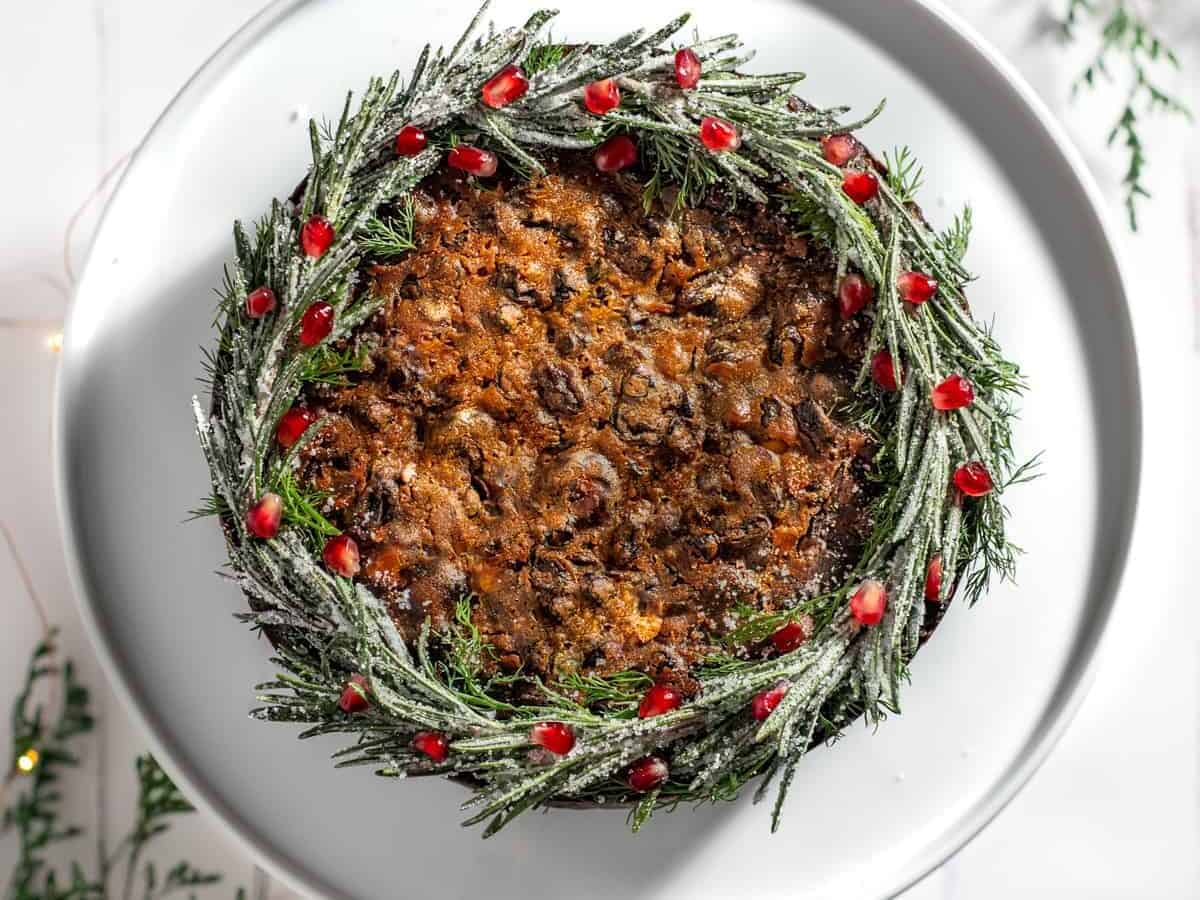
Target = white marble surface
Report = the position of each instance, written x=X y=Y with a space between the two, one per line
x=1112 y=814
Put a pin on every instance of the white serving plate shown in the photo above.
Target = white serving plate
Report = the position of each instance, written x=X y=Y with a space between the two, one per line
x=990 y=693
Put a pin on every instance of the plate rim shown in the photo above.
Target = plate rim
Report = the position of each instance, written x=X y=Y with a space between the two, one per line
x=950 y=842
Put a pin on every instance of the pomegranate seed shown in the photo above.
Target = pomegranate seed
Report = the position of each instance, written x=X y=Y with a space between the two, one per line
x=854 y=292
x=556 y=737
x=953 y=393
x=764 y=703
x=263 y=518
x=473 y=160
x=602 y=96
x=792 y=635
x=884 y=372
x=315 y=236
x=505 y=86
x=973 y=479
x=687 y=68
x=316 y=323
x=658 y=700
x=410 y=141
x=869 y=602
x=354 y=695
x=292 y=425
x=616 y=153
x=916 y=287
x=860 y=186
x=433 y=744
x=259 y=302
x=717 y=134
x=647 y=773
x=839 y=149
x=341 y=555
x=933 y=580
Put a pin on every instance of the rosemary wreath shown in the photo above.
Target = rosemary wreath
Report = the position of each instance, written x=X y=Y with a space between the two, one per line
x=338 y=649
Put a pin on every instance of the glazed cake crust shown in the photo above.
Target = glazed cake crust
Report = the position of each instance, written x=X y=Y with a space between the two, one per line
x=613 y=428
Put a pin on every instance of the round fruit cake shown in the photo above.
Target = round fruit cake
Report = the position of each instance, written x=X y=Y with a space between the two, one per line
x=598 y=423
x=616 y=430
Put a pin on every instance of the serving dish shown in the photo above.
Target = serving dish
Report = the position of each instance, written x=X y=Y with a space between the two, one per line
x=992 y=747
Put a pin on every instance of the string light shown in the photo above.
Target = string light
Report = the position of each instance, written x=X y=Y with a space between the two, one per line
x=51 y=328
x=28 y=760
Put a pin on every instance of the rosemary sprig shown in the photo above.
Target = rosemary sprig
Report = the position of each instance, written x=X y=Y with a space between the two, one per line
x=329 y=627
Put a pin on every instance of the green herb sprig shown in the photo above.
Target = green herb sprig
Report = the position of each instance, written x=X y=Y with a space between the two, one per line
x=1125 y=34
x=42 y=753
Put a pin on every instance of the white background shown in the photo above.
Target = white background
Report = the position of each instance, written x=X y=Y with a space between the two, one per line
x=1113 y=813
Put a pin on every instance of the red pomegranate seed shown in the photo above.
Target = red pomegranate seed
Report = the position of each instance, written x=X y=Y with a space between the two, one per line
x=316 y=323
x=933 y=580
x=839 y=149
x=916 y=287
x=687 y=68
x=341 y=555
x=504 y=87
x=792 y=635
x=601 y=97
x=659 y=699
x=410 y=141
x=616 y=153
x=293 y=424
x=263 y=518
x=315 y=236
x=473 y=160
x=854 y=292
x=953 y=393
x=764 y=703
x=354 y=695
x=869 y=602
x=884 y=372
x=973 y=479
x=718 y=134
x=433 y=744
x=647 y=773
x=557 y=737
x=860 y=186
x=259 y=302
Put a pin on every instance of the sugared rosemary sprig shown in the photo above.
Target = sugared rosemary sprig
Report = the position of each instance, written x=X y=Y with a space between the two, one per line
x=326 y=628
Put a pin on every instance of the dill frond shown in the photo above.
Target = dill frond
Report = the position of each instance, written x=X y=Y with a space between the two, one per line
x=1123 y=32
x=392 y=238
x=905 y=176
